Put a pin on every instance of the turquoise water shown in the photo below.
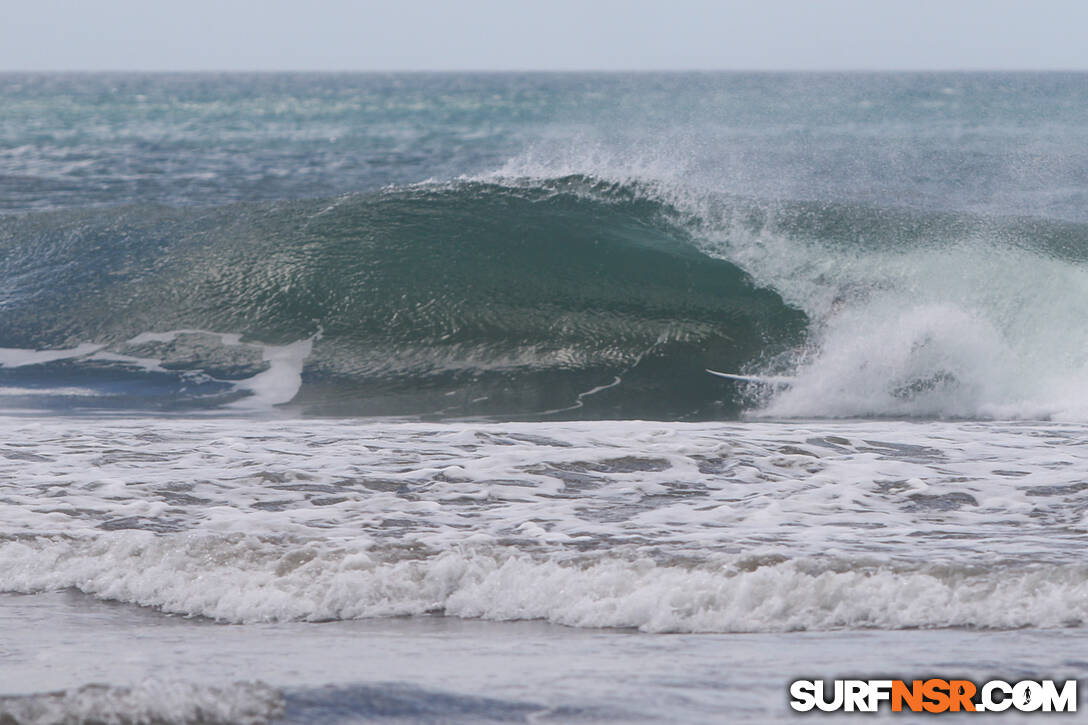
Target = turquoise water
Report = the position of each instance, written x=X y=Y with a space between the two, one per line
x=1006 y=143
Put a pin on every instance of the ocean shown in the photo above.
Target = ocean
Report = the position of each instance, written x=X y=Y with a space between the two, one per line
x=331 y=398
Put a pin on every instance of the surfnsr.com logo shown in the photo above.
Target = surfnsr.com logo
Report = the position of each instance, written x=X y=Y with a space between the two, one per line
x=933 y=695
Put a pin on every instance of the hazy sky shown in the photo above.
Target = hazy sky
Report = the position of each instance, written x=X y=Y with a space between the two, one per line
x=542 y=34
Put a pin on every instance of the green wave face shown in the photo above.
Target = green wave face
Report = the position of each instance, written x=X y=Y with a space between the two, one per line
x=568 y=297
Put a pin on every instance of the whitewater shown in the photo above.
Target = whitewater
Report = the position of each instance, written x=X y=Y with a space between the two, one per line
x=352 y=398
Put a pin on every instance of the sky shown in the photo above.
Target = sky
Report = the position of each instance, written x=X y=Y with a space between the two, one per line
x=183 y=35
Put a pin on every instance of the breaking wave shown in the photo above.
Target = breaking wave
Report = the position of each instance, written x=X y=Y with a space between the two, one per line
x=545 y=297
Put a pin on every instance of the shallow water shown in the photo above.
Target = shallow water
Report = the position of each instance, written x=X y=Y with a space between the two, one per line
x=442 y=558
x=441 y=669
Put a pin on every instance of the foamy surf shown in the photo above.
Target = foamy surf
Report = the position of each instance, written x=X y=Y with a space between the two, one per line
x=248 y=580
x=660 y=527
x=148 y=702
x=174 y=370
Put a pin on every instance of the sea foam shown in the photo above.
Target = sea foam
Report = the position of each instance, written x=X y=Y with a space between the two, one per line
x=656 y=526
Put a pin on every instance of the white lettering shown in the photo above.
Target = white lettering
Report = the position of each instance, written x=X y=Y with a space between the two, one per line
x=988 y=701
x=803 y=693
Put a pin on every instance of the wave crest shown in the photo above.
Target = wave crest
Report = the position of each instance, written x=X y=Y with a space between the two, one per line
x=246 y=579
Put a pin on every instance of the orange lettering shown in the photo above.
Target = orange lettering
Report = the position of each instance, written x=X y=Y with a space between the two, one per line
x=912 y=695
x=961 y=692
x=936 y=691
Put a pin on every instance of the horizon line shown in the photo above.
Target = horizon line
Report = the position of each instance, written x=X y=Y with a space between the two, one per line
x=602 y=71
